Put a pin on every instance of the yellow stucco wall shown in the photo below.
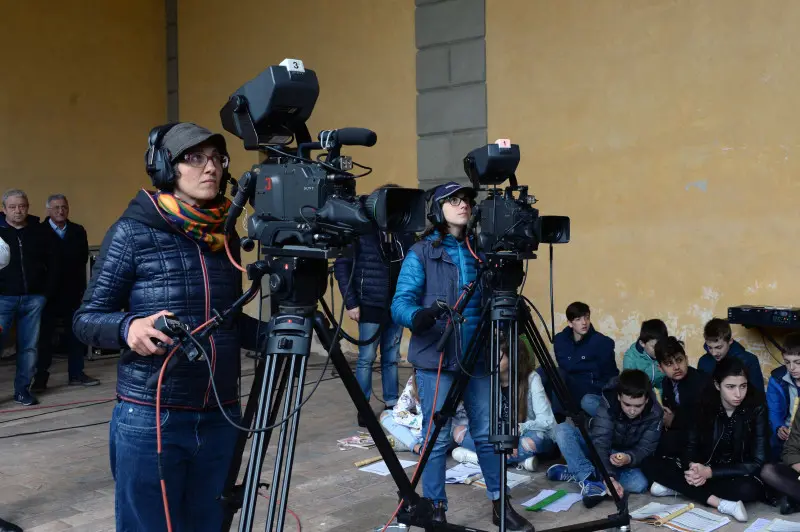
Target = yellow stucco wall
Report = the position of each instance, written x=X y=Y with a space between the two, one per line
x=668 y=131
x=362 y=51
x=83 y=84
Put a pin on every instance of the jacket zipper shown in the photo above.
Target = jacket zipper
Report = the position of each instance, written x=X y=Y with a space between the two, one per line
x=208 y=316
x=22 y=265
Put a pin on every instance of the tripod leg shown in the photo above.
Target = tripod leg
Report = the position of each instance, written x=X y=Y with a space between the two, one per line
x=258 y=448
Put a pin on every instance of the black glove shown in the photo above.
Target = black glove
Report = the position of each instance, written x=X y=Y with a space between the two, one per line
x=426 y=318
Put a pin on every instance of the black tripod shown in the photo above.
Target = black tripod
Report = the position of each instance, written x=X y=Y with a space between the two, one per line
x=297 y=279
x=506 y=311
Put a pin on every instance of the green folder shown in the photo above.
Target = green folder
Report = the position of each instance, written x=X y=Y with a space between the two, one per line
x=547 y=500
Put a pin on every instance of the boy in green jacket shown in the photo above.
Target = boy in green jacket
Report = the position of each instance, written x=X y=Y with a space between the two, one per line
x=641 y=354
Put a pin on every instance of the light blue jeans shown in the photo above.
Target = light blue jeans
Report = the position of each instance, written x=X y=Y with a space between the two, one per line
x=590 y=403
x=27 y=312
x=389 y=342
x=401 y=433
x=543 y=446
x=476 y=402
x=575 y=451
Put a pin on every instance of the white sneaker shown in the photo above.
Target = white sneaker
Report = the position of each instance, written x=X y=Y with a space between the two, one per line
x=657 y=490
x=734 y=509
x=465 y=456
x=529 y=464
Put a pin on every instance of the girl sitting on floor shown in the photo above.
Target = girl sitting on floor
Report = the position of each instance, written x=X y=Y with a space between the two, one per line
x=536 y=432
x=404 y=421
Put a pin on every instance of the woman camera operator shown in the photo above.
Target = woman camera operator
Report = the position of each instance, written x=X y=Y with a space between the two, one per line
x=166 y=255
x=435 y=269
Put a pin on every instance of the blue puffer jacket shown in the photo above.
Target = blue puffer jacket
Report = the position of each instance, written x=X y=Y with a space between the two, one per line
x=436 y=272
x=376 y=270
x=708 y=363
x=588 y=364
x=145 y=266
x=778 y=404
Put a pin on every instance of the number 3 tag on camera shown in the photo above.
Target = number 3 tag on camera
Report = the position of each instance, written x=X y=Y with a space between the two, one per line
x=293 y=65
x=503 y=143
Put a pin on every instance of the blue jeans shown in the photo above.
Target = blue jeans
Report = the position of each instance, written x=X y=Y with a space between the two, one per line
x=197 y=448
x=402 y=433
x=590 y=403
x=476 y=403
x=544 y=445
x=575 y=451
x=389 y=342
x=27 y=312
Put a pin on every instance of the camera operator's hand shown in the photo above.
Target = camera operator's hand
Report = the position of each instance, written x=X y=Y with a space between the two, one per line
x=354 y=313
x=142 y=333
x=426 y=318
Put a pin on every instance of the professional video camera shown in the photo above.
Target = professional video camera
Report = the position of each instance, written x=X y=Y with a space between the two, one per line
x=300 y=202
x=509 y=224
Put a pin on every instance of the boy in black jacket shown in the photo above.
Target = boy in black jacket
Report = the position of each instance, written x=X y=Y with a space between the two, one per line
x=624 y=431
x=683 y=388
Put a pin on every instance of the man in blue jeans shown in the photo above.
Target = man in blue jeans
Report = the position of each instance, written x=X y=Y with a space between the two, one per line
x=376 y=259
x=625 y=430
x=24 y=285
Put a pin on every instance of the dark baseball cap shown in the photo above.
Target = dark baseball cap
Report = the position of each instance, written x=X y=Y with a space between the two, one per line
x=187 y=135
x=442 y=192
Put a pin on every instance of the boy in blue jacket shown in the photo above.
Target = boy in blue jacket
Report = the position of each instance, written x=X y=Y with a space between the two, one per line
x=719 y=344
x=585 y=357
x=782 y=392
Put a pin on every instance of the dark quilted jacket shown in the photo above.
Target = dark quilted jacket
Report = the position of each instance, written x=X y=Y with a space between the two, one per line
x=145 y=266
x=374 y=280
x=612 y=429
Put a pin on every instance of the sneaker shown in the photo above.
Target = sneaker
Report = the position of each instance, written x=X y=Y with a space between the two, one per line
x=83 y=380
x=560 y=473
x=465 y=456
x=657 y=490
x=529 y=464
x=735 y=509
x=592 y=493
x=25 y=398
x=788 y=506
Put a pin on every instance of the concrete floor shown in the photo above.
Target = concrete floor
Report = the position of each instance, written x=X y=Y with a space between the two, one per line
x=59 y=479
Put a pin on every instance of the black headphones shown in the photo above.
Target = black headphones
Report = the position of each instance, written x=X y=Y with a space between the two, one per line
x=435 y=213
x=157 y=162
x=157 y=159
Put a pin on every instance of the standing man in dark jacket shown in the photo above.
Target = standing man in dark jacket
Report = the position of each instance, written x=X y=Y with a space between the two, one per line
x=25 y=285
x=625 y=431
x=377 y=259
x=585 y=357
x=72 y=250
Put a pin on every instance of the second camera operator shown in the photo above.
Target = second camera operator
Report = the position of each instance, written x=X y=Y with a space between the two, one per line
x=376 y=259
x=437 y=268
x=166 y=255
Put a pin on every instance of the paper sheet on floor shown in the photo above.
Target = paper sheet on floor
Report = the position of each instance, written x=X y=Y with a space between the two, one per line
x=380 y=468
x=781 y=525
x=460 y=473
x=512 y=480
x=760 y=524
x=561 y=505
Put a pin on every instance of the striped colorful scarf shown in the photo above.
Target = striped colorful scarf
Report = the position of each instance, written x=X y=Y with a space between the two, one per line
x=204 y=226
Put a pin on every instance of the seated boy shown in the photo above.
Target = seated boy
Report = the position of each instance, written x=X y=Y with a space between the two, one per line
x=585 y=358
x=783 y=476
x=719 y=344
x=782 y=391
x=641 y=354
x=683 y=389
x=625 y=430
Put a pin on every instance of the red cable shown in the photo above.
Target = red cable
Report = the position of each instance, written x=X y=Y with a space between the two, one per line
x=40 y=407
x=428 y=433
x=230 y=257
x=158 y=426
x=299 y=526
